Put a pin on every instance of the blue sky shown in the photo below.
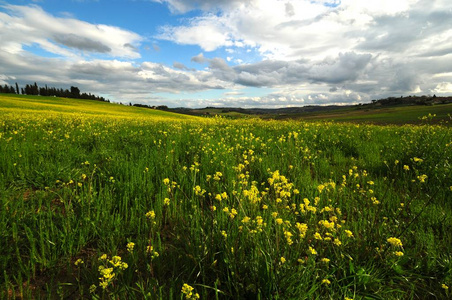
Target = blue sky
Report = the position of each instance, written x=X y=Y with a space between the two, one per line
x=247 y=53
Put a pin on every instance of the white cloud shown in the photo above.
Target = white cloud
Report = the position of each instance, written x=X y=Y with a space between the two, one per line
x=183 y=6
x=306 y=51
x=443 y=88
x=68 y=37
x=199 y=32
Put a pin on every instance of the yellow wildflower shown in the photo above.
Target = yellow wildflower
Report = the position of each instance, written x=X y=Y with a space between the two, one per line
x=130 y=246
x=312 y=251
x=245 y=220
x=187 y=290
x=422 y=178
x=150 y=215
x=78 y=262
x=395 y=242
x=166 y=201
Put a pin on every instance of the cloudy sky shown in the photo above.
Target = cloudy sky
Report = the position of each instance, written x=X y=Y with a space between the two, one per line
x=247 y=53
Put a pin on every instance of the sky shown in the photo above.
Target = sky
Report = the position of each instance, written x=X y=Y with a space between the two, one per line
x=230 y=53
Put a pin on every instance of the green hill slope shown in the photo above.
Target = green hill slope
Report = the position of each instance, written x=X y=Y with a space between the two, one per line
x=13 y=104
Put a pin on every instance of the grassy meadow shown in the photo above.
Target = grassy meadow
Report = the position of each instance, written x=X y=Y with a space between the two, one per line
x=104 y=201
x=414 y=114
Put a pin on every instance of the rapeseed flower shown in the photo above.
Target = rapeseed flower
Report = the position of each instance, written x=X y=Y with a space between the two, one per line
x=395 y=242
x=337 y=242
x=166 y=201
x=422 y=178
x=187 y=290
x=326 y=282
x=130 y=246
x=150 y=215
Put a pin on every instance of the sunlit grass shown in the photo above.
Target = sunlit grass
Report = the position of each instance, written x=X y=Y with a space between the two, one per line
x=13 y=104
x=149 y=205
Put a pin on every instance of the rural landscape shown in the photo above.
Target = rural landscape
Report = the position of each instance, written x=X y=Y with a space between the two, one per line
x=108 y=201
x=226 y=149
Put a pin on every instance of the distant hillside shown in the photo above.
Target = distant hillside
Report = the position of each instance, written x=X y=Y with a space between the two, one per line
x=306 y=110
x=17 y=104
x=392 y=110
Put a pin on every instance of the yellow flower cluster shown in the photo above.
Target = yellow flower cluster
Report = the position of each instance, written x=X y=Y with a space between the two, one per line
x=108 y=268
x=187 y=290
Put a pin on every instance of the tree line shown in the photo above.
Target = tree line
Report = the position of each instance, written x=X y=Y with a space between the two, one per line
x=34 y=89
x=411 y=100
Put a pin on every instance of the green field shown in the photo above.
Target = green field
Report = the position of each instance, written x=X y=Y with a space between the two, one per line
x=105 y=201
x=13 y=104
x=388 y=115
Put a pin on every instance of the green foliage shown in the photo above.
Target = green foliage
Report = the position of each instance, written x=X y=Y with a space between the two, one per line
x=159 y=207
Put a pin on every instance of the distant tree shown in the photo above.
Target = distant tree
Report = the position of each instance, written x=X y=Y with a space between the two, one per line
x=35 y=90
x=43 y=91
x=75 y=92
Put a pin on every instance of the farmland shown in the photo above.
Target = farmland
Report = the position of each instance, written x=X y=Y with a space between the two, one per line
x=101 y=201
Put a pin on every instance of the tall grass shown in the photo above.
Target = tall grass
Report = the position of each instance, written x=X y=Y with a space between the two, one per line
x=154 y=208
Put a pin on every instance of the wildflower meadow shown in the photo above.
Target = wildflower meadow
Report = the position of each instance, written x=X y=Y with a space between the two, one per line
x=149 y=205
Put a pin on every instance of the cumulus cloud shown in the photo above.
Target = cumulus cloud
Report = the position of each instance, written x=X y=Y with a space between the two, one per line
x=183 y=6
x=30 y=25
x=82 y=43
x=199 y=32
x=305 y=51
x=180 y=66
x=346 y=67
x=198 y=58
